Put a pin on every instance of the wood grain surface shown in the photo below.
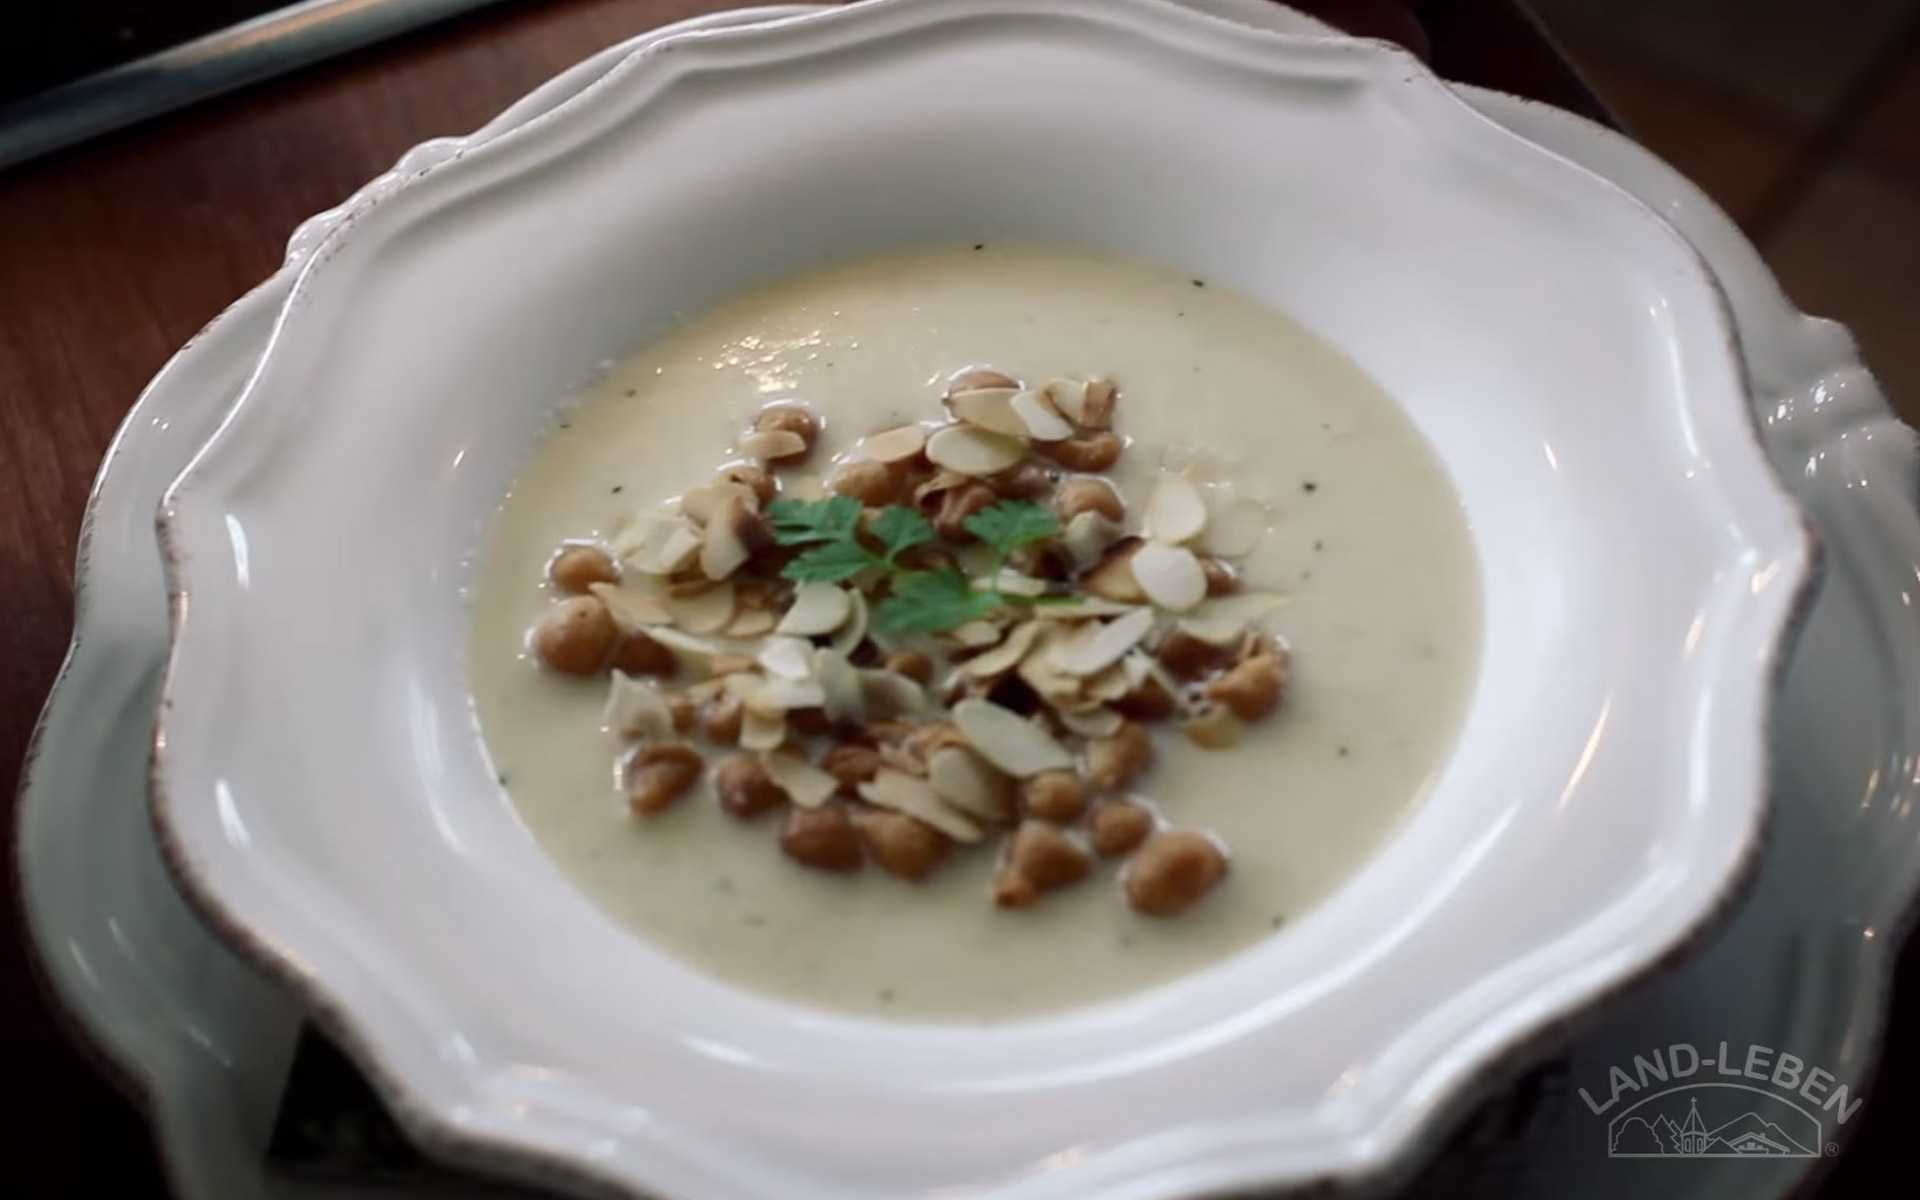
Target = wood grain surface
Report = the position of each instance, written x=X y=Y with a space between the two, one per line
x=114 y=253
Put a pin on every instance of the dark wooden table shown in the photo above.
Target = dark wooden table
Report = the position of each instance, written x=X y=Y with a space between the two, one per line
x=112 y=254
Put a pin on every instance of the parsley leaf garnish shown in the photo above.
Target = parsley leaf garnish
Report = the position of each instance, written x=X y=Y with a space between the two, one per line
x=900 y=528
x=929 y=601
x=798 y=522
x=831 y=563
x=1011 y=524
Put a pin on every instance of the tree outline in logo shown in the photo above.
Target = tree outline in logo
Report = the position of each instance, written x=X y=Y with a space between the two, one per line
x=1747 y=1135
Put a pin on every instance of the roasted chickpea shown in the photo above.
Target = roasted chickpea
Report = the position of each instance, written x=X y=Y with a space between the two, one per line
x=1025 y=481
x=822 y=837
x=576 y=568
x=957 y=505
x=852 y=765
x=1085 y=451
x=1011 y=889
x=1083 y=495
x=575 y=636
x=1113 y=761
x=791 y=418
x=873 y=484
x=1046 y=856
x=1172 y=871
x=901 y=845
x=721 y=718
x=1221 y=578
x=641 y=655
x=657 y=775
x=1253 y=688
x=1148 y=702
x=1189 y=657
x=1102 y=398
x=686 y=714
x=1057 y=796
x=911 y=663
x=744 y=787
x=1118 y=826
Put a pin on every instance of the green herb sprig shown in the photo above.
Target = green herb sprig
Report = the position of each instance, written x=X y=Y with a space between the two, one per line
x=921 y=601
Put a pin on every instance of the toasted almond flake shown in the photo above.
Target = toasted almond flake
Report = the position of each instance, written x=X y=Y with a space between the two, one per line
x=1038 y=418
x=785 y=695
x=941 y=481
x=1175 y=511
x=960 y=778
x=1069 y=398
x=1110 y=684
x=817 y=608
x=1096 y=646
x=972 y=451
x=742 y=685
x=1138 y=665
x=1087 y=537
x=840 y=690
x=750 y=623
x=633 y=608
x=1170 y=576
x=1007 y=740
x=892 y=445
x=1038 y=671
x=1219 y=622
x=1237 y=526
x=636 y=709
x=762 y=729
x=787 y=657
x=699 y=649
x=904 y=793
x=723 y=550
x=1004 y=657
x=1113 y=578
x=848 y=637
x=1012 y=583
x=1082 y=609
x=974 y=378
x=1092 y=722
x=806 y=785
x=990 y=409
x=704 y=611
x=899 y=759
x=975 y=634
x=703 y=502
x=889 y=693
x=657 y=545
x=1214 y=728
x=769 y=444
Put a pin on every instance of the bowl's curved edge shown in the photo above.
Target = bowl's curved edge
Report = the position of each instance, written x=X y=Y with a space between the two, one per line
x=1395 y=1153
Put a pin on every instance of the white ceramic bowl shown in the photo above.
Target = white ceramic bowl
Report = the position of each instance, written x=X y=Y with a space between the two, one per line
x=322 y=794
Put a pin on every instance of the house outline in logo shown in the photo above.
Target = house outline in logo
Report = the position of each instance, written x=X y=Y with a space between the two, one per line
x=1665 y=1132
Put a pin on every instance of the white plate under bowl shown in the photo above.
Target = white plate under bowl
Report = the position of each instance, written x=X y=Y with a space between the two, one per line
x=1561 y=347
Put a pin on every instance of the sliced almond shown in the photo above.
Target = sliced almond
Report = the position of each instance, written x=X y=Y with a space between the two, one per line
x=1214 y=728
x=762 y=728
x=901 y=792
x=893 y=445
x=1082 y=608
x=1012 y=583
x=841 y=692
x=785 y=695
x=848 y=637
x=1221 y=621
x=743 y=684
x=1037 y=669
x=1007 y=740
x=974 y=378
x=890 y=694
x=724 y=548
x=636 y=709
x=990 y=409
x=657 y=545
x=1093 y=722
x=1175 y=511
x=1004 y=657
x=769 y=444
x=970 y=785
x=1039 y=419
x=699 y=649
x=705 y=611
x=806 y=785
x=1069 y=398
x=941 y=481
x=1170 y=576
x=702 y=502
x=1096 y=646
x=1087 y=537
x=750 y=623
x=1237 y=526
x=786 y=657
x=975 y=452
x=1114 y=579
x=817 y=608
x=633 y=608
x=975 y=634
x=1109 y=685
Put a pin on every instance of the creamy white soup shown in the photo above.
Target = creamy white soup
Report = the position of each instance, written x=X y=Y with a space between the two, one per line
x=1285 y=615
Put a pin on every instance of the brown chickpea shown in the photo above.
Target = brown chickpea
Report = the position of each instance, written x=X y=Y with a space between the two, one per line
x=1011 y=889
x=1084 y=495
x=686 y=714
x=852 y=765
x=1148 y=702
x=657 y=775
x=1172 y=871
x=1057 y=796
x=792 y=418
x=873 y=484
x=822 y=837
x=1189 y=657
x=957 y=505
x=744 y=787
x=911 y=663
x=641 y=655
x=758 y=479
x=1047 y=857
x=576 y=568
x=1085 y=451
x=575 y=636
x=1026 y=481
x=1113 y=761
x=1102 y=397
x=1222 y=580
x=1252 y=689
x=811 y=721
x=721 y=718
x=1118 y=826
x=900 y=844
